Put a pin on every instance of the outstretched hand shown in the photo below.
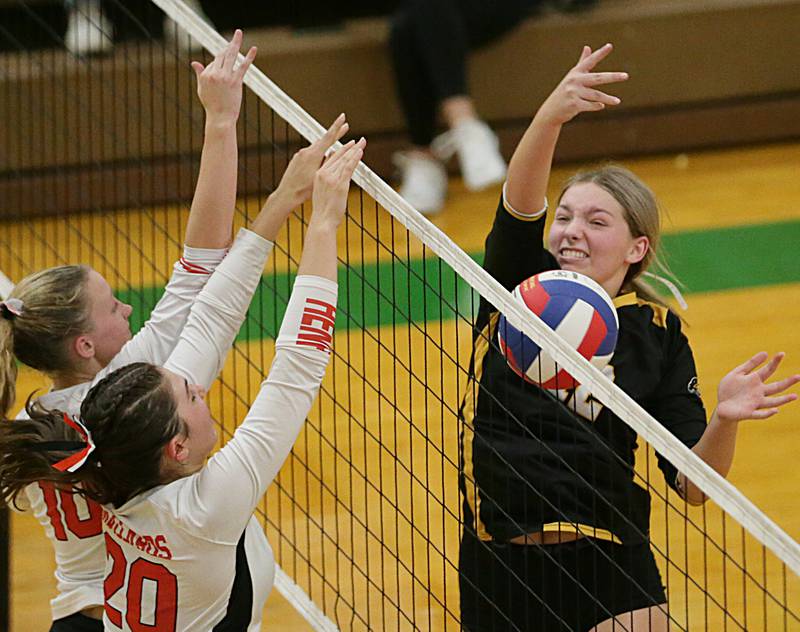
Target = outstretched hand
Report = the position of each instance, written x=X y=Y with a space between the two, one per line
x=298 y=179
x=578 y=91
x=332 y=183
x=219 y=85
x=744 y=393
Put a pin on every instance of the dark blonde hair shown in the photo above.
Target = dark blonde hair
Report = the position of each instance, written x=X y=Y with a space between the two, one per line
x=642 y=214
x=55 y=309
x=131 y=415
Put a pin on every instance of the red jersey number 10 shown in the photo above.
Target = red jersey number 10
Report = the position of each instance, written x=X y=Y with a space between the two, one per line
x=65 y=518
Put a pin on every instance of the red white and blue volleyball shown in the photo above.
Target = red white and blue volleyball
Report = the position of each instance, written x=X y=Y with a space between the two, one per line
x=574 y=306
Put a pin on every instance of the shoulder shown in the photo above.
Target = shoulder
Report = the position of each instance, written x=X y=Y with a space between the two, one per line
x=647 y=313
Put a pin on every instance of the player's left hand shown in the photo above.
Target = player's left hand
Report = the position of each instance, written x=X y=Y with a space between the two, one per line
x=219 y=85
x=297 y=182
x=744 y=393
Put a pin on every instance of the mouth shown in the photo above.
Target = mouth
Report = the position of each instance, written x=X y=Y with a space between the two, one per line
x=572 y=255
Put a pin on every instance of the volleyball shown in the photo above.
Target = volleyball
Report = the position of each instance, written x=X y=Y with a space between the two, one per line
x=577 y=309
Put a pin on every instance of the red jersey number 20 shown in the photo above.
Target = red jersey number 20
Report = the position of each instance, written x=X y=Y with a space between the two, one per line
x=151 y=606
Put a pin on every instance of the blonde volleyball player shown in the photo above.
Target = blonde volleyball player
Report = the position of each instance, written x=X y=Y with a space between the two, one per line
x=184 y=550
x=65 y=322
x=556 y=529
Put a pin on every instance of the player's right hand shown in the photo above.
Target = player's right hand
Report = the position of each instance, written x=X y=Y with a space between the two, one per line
x=219 y=85
x=578 y=91
x=332 y=183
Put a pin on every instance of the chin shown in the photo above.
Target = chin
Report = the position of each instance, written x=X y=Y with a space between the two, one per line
x=574 y=266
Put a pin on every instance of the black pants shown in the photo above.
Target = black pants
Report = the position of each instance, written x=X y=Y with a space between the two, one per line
x=571 y=586
x=77 y=623
x=429 y=43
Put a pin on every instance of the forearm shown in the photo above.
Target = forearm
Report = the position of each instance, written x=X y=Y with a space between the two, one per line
x=219 y=310
x=273 y=215
x=716 y=447
x=211 y=216
x=319 y=251
x=529 y=169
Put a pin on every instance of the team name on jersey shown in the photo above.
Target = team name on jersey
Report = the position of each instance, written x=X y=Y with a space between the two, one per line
x=155 y=546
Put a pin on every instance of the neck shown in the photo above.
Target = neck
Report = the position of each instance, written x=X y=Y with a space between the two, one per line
x=78 y=375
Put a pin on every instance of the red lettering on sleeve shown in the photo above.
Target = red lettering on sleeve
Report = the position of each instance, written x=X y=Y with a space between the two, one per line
x=316 y=325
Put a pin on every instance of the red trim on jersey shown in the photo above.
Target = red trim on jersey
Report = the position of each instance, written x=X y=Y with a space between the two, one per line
x=193 y=268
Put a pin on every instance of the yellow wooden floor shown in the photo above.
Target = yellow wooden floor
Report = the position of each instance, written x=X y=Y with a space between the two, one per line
x=730 y=188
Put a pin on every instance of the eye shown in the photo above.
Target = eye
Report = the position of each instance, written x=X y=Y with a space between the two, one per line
x=598 y=222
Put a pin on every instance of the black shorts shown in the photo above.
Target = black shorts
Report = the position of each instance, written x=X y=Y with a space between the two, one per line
x=77 y=623
x=554 y=587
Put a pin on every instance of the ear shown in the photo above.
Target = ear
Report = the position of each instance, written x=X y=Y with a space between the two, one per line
x=638 y=250
x=83 y=346
x=176 y=449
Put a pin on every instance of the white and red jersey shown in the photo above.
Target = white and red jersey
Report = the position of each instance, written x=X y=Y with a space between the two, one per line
x=73 y=524
x=189 y=555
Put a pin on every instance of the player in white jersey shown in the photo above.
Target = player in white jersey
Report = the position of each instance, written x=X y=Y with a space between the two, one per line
x=184 y=550
x=66 y=322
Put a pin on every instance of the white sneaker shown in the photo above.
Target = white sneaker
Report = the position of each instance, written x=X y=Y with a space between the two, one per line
x=89 y=31
x=423 y=182
x=478 y=153
x=176 y=36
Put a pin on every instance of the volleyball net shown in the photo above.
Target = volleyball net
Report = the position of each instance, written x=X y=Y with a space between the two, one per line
x=366 y=516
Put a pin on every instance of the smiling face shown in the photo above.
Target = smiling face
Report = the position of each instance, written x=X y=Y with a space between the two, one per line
x=109 y=317
x=192 y=447
x=590 y=235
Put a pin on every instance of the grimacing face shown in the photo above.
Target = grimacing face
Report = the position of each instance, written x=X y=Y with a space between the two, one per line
x=589 y=234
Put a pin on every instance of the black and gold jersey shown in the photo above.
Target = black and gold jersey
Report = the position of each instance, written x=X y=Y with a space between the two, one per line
x=535 y=460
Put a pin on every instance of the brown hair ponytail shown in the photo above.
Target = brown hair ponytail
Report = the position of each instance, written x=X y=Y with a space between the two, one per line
x=55 y=308
x=131 y=415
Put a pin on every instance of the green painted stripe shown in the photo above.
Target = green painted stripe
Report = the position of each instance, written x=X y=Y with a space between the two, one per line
x=738 y=257
x=387 y=293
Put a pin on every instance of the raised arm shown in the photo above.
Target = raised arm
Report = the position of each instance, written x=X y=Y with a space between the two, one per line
x=529 y=169
x=208 y=229
x=219 y=86
x=252 y=458
x=220 y=308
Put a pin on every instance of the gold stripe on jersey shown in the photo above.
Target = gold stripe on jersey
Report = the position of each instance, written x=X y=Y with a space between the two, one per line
x=525 y=217
x=470 y=486
x=659 y=311
x=625 y=299
x=582 y=529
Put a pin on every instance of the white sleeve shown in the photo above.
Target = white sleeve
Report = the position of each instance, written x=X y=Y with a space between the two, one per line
x=219 y=311
x=221 y=498
x=159 y=335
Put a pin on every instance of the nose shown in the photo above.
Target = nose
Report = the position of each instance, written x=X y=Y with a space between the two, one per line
x=127 y=310
x=572 y=230
x=201 y=392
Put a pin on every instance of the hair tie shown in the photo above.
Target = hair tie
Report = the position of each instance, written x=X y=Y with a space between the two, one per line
x=74 y=461
x=671 y=287
x=11 y=308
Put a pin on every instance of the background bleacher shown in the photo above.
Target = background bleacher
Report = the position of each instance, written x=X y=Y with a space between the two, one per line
x=703 y=74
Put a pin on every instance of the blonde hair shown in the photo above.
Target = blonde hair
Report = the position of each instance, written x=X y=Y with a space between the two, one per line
x=643 y=216
x=55 y=308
